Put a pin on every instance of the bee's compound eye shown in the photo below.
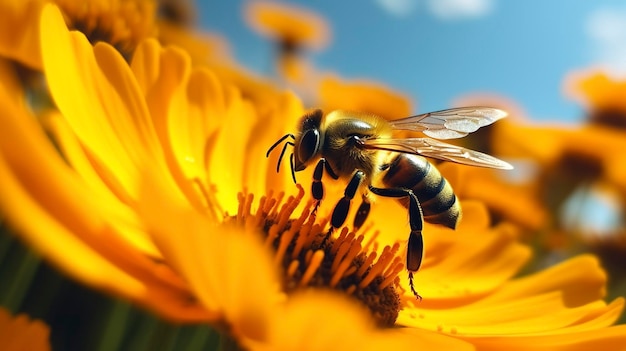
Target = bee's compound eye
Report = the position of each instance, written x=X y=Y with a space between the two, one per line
x=309 y=145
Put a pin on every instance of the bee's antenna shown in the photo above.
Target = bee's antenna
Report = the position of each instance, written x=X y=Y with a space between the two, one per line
x=293 y=168
x=282 y=153
x=278 y=142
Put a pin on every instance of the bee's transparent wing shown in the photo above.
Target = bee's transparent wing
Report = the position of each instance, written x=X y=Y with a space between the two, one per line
x=432 y=148
x=452 y=123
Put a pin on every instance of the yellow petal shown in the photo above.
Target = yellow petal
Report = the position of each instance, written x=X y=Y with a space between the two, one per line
x=123 y=217
x=607 y=339
x=474 y=264
x=581 y=280
x=536 y=314
x=52 y=209
x=97 y=94
x=285 y=112
x=162 y=75
x=363 y=96
x=53 y=240
x=56 y=216
x=216 y=261
x=510 y=139
x=77 y=86
x=346 y=326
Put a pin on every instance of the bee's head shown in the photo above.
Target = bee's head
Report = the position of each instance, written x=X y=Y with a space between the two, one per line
x=308 y=143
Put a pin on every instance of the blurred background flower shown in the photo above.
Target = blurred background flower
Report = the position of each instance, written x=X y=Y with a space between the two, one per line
x=187 y=125
x=21 y=333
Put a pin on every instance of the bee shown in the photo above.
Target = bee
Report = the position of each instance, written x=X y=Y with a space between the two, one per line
x=361 y=148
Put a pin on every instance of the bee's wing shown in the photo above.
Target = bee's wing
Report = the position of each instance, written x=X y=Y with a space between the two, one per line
x=452 y=123
x=436 y=149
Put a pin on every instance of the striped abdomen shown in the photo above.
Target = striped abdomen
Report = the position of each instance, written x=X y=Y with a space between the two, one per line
x=437 y=199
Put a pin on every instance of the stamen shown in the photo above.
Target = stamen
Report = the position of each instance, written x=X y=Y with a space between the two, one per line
x=343 y=267
x=353 y=249
x=392 y=265
x=287 y=237
x=314 y=264
x=351 y=289
x=393 y=275
x=343 y=245
x=285 y=240
x=367 y=263
x=305 y=229
x=245 y=204
x=293 y=267
x=383 y=261
x=340 y=240
x=271 y=236
x=279 y=198
x=266 y=205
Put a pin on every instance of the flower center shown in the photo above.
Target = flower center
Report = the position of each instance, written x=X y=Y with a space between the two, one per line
x=610 y=117
x=122 y=24
x=313 y=257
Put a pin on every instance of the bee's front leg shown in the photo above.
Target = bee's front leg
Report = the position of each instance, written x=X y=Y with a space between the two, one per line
x=317 y=188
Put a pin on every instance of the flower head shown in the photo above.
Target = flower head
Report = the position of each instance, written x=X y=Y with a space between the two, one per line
x=292 y=27
x=601 y=95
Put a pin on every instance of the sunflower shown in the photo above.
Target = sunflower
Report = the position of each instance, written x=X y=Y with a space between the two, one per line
x=147 y=197
x=21 y=333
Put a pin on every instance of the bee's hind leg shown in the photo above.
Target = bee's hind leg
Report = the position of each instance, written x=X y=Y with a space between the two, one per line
x=415 y=249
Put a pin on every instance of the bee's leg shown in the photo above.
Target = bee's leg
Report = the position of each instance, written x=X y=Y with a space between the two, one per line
x=340 y=212
x=362 y=212
x=415 y=249
x=317 y=188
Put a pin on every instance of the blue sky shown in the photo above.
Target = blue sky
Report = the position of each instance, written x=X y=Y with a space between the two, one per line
x=439 y=50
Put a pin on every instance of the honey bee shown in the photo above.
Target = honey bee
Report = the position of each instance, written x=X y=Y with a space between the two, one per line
x=361 y=148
